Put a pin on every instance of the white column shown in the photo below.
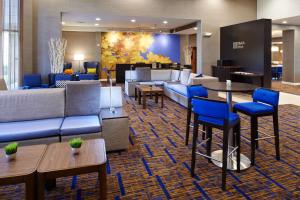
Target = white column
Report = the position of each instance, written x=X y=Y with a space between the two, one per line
x=199 y=47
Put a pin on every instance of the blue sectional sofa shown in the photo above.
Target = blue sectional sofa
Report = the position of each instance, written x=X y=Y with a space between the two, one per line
x=54 y=115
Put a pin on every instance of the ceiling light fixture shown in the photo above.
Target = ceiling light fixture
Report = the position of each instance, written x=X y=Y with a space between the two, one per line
x=133 y=20
x=98 y=19
x=284 y=22
x=195 y=28
x=63 y=23
x=96 y=24
x=165 y=22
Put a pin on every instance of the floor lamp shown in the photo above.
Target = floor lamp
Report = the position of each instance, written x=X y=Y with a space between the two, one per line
x=79 y=57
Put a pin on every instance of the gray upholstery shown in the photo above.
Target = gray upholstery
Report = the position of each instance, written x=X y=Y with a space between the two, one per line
x=25 y=130
x=179 y=88
x=184 y=76
x=3 y=85
x=83 y=98
x=20 y=105
x=143 y=74
x=80 y=125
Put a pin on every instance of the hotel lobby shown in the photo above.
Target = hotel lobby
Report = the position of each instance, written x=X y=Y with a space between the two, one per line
x=149 y=99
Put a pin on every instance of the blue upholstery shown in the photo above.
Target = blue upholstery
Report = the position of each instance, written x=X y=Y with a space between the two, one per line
x=88 y=77
x=33 y=81
x=25 y=130
x=179 y=88
x=80 y=125
x=196 y=90
x=233 y=118
x=213 y=112
x=266 y=96
x=254 y=108
x=63 y=77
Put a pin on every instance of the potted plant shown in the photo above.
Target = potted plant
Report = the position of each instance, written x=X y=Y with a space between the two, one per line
x=75 y=144
x=11 y=150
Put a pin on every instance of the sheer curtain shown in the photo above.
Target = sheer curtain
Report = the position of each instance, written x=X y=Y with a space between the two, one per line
x=10 y=42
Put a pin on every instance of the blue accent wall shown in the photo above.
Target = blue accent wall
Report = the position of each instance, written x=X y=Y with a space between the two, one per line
x=167 y=45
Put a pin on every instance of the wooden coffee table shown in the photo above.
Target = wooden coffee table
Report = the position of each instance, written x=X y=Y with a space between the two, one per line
x=23 y=168
x=59 y=161
x=141 y=91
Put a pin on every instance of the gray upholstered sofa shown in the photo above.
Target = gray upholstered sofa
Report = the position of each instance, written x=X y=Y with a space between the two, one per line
x=175 y=82
x=53 y=115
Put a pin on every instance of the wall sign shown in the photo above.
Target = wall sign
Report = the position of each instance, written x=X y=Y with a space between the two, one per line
x=238 y=45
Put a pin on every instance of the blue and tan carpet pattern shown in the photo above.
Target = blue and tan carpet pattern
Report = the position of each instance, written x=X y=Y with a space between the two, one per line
x=157 y=164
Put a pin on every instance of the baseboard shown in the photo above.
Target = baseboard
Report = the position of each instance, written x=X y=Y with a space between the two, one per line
x=290 y=83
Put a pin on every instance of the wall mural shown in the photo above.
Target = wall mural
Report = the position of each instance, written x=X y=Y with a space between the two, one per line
x=130 y=48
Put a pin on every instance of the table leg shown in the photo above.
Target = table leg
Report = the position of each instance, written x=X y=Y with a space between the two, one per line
x=156 y=97
x=135 y=94
x=50 y=184
x=139 y=96
x=102 y=181
x=162 y=100
x=41 y=187
x=231 y=161
x=30 y=188
x=144 y=100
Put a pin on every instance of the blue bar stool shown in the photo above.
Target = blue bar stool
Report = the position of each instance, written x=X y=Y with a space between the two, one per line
x=215 y=114
x=193 y=91
x=265 y=103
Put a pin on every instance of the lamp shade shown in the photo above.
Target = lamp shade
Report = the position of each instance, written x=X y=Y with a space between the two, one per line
x=79 y=56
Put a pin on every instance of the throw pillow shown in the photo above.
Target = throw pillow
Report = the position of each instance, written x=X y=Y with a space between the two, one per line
x=143 y=74
x=91 y=70
x=82 y=98
x=68 y=71
x=184 y=76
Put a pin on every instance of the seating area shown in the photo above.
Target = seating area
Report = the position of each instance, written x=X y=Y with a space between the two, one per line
x=149 y=100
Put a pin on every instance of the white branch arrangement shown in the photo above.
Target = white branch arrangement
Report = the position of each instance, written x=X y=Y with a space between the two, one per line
x=57 y=48
x=187 y=55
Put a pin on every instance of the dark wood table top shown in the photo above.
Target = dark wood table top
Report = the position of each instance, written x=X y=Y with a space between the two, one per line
x=235 y=87
x=59 y=157
x=26 y=162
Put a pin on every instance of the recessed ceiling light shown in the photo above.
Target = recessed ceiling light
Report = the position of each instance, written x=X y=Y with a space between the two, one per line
x=96 y=24
x=160 y=31
x=195 y=28
x=133 y=20
x=284 y=22
x=98 y=19
x=165 y=22
x=63 y=23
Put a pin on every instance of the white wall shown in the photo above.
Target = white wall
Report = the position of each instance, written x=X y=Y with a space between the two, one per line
x=212 y=13
x=277 y=9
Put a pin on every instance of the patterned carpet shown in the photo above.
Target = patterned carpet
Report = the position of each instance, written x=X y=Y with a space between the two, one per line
x=157 y=164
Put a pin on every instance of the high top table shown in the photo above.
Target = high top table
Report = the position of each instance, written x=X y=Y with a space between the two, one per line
x=235 y=87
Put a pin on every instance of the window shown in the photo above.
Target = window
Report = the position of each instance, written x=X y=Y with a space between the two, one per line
x=10 y=42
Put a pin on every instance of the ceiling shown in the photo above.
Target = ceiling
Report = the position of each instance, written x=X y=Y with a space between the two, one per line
x=290 y=21
x=88 y=22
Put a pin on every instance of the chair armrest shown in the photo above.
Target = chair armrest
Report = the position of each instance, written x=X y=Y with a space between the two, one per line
x=44 y=86
x=25 y=87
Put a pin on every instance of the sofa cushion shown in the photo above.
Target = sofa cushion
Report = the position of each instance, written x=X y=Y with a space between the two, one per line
x=143 y=74
x=26 y=130
x=175 y=74
x=161 y=75
x=184 y=76
x=21 y=105
x=179 y=88
x=191 y=77
x=130 y=75
x=82 y=98
x=80 y=125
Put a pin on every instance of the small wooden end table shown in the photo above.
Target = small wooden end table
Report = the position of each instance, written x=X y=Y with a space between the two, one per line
x=141 y=91
x=59 y=161
x=23 y=168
